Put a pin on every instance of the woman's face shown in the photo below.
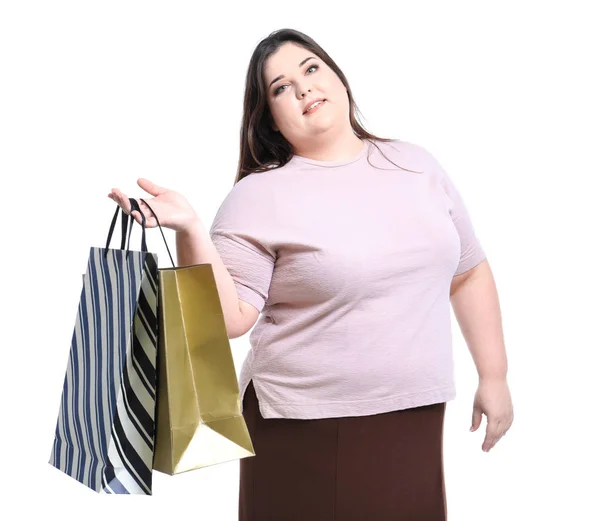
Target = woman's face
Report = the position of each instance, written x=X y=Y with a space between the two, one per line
x=301 y=81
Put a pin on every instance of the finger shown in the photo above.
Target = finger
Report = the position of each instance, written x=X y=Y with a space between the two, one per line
x=493 y=434
x=492 y=443
x=150 y=221
x=489 y=439
x=476 y=419
x=114 y=198
x=489 y=442
x=492 y=430
x=138 y=218
x=150 y=187
x=122 y=200
x=503 y=428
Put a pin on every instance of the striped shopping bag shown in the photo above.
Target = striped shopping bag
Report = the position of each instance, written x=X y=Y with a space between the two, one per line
x=105 y=430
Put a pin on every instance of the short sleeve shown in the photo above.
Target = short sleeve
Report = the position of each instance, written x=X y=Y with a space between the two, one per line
x=471 y=250
x=240 y=233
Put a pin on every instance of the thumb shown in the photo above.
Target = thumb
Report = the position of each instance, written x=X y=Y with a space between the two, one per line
x=476 y=419
x=150 y=187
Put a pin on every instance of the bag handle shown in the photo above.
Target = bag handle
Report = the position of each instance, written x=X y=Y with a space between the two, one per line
x=136 y=207
x=125 y=218
x=159 y=227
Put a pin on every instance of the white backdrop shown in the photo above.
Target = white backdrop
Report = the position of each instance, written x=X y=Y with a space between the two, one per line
x=94 y=95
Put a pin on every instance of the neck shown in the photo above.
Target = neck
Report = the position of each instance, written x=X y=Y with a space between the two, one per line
x=330 y=148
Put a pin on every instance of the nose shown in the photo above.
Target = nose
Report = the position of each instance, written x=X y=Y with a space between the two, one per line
x=303 y=91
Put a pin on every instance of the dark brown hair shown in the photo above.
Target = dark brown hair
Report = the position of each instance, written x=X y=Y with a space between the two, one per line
x=261 y=147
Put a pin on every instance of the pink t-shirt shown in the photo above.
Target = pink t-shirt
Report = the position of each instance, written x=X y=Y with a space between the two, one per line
x=350 y=263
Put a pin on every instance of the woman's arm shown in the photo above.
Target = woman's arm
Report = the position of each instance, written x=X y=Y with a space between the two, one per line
x=194 y=246
x=475 y=302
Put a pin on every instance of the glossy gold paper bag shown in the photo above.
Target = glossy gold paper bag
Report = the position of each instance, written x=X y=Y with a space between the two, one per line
x=199 y=419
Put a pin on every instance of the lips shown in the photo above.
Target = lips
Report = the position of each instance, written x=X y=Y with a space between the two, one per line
x=313 y=101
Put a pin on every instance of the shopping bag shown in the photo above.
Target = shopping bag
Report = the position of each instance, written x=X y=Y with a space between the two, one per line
x=199 y=418
x=105 y=430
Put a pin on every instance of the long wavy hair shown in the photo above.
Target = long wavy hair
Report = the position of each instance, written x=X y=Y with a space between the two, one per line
x=261 y=147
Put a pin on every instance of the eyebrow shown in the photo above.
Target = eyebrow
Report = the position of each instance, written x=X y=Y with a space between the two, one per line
x=300 y=65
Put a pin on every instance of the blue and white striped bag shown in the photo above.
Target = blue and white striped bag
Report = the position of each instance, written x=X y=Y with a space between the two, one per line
x=106 y=423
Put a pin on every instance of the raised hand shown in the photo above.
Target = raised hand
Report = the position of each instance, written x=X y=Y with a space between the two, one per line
x=171 y=208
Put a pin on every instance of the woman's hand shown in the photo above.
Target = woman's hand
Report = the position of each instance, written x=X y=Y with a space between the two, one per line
x=493 y=399
x=171 y=208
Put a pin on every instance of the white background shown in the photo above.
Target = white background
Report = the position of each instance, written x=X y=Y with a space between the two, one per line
x=94 y=95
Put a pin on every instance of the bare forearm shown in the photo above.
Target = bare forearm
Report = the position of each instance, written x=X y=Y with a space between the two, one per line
x=195 y=246
x=477 y=309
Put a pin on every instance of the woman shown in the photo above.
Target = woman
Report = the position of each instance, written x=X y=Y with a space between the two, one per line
x=352 y=247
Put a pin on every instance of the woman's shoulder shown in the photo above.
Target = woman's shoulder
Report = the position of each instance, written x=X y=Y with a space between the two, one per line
x=407 y=148
x=411 y=153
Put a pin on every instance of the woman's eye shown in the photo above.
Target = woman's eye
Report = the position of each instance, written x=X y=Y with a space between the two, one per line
x=277 y=90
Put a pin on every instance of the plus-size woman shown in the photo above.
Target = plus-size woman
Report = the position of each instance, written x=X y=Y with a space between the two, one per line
x=344 y=252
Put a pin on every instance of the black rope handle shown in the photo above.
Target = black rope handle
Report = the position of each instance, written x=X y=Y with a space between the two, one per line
x=124 y=220
x=126 y=235
x=160 y=228
x=136 y=207
x=128 y=220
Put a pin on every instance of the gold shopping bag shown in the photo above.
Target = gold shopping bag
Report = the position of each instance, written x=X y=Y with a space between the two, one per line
x=199 y=419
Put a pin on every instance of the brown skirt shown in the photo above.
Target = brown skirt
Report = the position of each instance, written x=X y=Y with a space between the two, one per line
x=380 y=467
